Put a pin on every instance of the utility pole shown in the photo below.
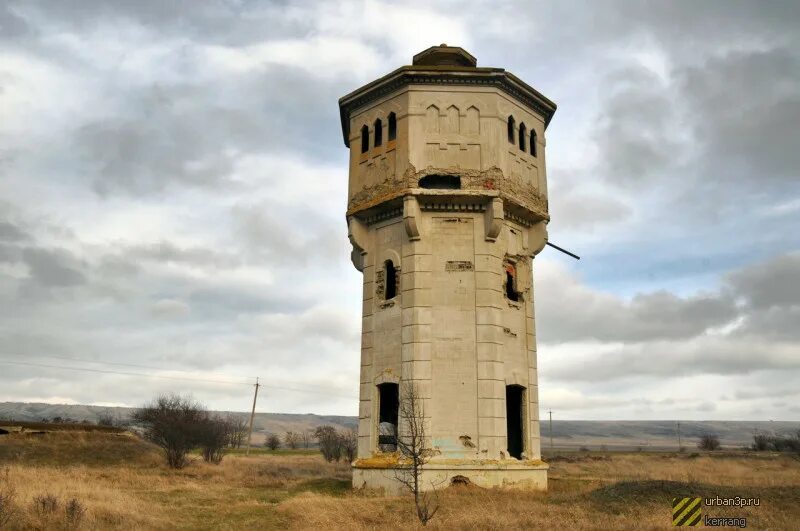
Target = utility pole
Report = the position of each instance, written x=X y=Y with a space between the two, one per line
x=252 y=414
x=679 y=436
x=551 y=429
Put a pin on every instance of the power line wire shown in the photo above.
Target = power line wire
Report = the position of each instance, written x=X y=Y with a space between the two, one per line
x=103 y=362
x=86 y=369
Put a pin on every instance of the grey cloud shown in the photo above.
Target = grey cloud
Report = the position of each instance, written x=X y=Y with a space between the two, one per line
x=579 y=210
x=636 y=134
x=747 y=107
x=170 y=136
x=710 y=355
x=53 y=268
x=279 y=235
x=11 y=233
x=12 y=25
x=165 y=251
x=570 y=312
x=231 y=22
x=775 y=282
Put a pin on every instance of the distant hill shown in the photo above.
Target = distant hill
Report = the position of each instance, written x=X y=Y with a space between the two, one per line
x=614 y=434
x=263 y=423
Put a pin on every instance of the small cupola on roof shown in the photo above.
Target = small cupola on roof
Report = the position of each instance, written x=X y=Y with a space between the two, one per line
x=444 y=55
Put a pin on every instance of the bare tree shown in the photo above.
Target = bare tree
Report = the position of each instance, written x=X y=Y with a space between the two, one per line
x=291 y=439
x=329 y=443
x=273 y=442
x=412 y=442
x=349 y=442
x=105 y=419
x=237 y=425
x=173 y=423
x=306 y=436
x=213 y=436
x=709 y=441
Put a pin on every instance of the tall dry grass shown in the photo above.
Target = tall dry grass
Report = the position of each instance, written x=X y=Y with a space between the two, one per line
x=304 y=492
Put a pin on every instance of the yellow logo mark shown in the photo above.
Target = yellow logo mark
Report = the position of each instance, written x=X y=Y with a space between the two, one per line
x=686 y=511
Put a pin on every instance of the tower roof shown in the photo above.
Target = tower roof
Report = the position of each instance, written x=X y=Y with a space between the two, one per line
x=444 y=55
x=443 y=65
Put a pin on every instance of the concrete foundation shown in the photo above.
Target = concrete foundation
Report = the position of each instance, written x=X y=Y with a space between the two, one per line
x=513 y=474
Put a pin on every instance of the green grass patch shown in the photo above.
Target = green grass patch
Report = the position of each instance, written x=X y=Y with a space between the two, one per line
x=329 y=486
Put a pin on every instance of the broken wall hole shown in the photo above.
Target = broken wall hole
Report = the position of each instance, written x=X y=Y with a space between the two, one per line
x=388 y=409
x=515 y=395
x=512 y=293
x=441 y=182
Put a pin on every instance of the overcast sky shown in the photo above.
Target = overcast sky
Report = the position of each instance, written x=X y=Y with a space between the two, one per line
x=173 y=186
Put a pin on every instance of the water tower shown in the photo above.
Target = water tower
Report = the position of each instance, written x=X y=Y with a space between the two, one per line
x=447 y=207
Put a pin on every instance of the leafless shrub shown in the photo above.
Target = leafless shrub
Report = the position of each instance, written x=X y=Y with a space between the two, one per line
x=237 y=434
x=329 y=443
x=273 y=442
x=306 y=437
x=413 y=443
x=291 y=439
x=213 y=436
x=8 y=505
x=74 y=511
x=45 y=505
x=760 y=441
x=776 y=442
x=105 y=419
x=349 y=441
x=709 y=441
x=174 y=423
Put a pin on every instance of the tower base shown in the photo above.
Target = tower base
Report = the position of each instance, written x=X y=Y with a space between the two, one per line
x=379 y=474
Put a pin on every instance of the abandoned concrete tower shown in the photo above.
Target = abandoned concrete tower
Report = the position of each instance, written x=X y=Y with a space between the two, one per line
x=447 y=207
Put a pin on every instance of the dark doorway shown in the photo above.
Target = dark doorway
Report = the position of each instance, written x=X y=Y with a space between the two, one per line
x=388 y=406
x=511 y=291
x=514 y=397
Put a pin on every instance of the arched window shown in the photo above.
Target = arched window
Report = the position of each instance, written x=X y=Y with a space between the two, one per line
x=523 y=135
x=533 y=143
x=392 y=126
x=378 y=132
x=511 y=129
x=364 y=139
x=390 y=276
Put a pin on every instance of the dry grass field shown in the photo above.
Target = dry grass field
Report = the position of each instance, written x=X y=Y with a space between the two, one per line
x=122 y=484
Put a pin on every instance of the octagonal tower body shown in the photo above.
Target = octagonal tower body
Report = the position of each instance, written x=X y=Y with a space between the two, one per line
x=447 y=207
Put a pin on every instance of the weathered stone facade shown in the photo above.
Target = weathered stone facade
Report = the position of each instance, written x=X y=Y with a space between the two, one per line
x=447 y=208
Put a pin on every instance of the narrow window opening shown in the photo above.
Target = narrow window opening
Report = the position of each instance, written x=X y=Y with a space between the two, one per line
x=511 y=129
x=364 y=139
x=523 y=134
x=511 y=281
x=388 y=406
x=533 y=143
x=442 y=182
x=515 y=395
x=378 y=132
x=390 y=274
x=392 y=126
